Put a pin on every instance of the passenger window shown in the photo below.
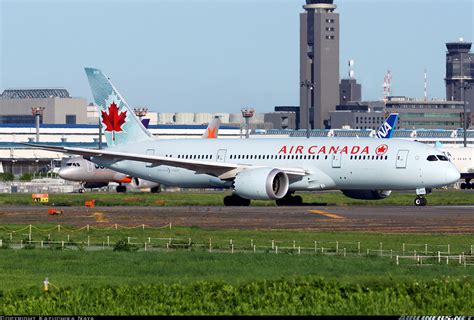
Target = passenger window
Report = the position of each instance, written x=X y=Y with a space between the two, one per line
x=432 y=158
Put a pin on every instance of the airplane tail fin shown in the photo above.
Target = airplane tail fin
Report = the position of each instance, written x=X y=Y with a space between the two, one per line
x=119 y=122
x=385 y=131
x=212 y=129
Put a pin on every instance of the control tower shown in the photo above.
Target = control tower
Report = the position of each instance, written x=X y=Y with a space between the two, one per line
x=319 y=62
x=459 y=71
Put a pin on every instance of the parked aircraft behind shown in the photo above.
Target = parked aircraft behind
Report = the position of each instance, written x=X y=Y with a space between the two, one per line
x=463 y=159
x=91 y=175
x=270 y=169
x=385 y=131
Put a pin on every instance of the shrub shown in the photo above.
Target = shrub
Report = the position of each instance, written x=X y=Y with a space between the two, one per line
x=123 y=245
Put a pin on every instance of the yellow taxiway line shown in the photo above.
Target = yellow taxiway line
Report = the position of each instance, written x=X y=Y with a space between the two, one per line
x=330 y=215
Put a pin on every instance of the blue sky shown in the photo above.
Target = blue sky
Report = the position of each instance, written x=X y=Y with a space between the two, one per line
x=221 y=55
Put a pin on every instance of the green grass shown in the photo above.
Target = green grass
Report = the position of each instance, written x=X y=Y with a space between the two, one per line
x=439 y=197
x=193 y=280
x=132 y=283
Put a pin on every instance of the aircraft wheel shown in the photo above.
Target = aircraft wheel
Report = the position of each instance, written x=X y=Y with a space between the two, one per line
x=228 y=201
x=235 y=200
x=244 y=202
x=297 y=201
x=281 y=202
x=121 y=189
x=469 y=186
x=82 y=190
x=420 y=201
x=464 y=186
x=155 y=190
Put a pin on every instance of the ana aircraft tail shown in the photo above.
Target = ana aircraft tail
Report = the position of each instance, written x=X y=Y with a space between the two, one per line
x=119 y=123
x=212 y=129
x=386 y=129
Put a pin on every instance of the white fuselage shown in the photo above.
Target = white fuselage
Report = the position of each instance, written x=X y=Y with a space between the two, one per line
x=330 y=163
x=461 y=157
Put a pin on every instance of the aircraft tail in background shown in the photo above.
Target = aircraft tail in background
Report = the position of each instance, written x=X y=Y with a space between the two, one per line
x=212 y=129
x=385 y=131
x=119 y=122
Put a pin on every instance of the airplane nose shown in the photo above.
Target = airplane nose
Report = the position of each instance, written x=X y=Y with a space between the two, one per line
x=65 y=173
x=452 y=174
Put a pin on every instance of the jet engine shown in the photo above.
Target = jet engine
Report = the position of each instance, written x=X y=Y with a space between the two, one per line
x=367 y=194
x=261 y=183
x=93 y=185
x=145 y=184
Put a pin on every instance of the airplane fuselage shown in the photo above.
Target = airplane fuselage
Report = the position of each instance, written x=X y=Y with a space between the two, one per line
x=330 y=163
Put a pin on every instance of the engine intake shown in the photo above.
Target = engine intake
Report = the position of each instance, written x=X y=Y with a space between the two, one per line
x=261 y=184
x=367 y=194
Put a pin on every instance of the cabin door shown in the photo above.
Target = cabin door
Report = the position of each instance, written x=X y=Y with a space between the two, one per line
x=221 y=155
x=336 y=160
x=150 y=152
x=402 y=157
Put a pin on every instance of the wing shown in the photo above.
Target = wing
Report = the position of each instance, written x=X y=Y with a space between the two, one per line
x=222 y=170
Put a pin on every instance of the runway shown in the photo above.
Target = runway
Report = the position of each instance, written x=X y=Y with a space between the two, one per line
x=390 y=219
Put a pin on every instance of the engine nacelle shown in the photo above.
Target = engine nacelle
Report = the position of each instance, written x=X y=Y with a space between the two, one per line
x=261 y=184
x=145 y=184
x=367 y=194
x=93 y=185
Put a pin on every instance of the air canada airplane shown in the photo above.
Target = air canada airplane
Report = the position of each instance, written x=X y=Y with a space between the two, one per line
x=91 y=175
x=271 y=169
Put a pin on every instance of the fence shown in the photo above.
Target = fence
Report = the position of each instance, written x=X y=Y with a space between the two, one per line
x=144 y=238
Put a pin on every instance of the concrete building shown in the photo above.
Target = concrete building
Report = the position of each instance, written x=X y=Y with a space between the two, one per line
x=426 y=114
x=319 y=62
x=60 y=107
x=349 y=90
x=284 y=117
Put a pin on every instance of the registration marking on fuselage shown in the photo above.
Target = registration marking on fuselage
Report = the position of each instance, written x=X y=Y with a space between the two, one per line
x=327 y=214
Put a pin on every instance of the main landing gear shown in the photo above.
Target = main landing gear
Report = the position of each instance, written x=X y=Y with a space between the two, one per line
x=289 y=200
x=420 y=200
x=236 y=201
x=121 y=188
x=467 y=185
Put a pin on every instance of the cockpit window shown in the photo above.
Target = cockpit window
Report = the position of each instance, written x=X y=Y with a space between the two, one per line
x=69 y=164
x=432 y=157
x=442 y=158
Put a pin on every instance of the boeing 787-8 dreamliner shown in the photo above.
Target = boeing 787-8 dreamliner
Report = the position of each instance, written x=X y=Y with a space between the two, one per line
x=273 y=169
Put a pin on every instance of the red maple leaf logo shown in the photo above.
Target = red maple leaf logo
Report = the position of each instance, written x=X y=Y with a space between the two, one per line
x=382 y=149
x=114 y=120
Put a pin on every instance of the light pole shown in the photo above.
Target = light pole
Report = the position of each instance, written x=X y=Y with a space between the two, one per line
x=309 y=86
x=37 y=112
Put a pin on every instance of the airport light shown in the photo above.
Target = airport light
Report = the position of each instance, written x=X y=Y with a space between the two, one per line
x=37 y=112
x=309 y=86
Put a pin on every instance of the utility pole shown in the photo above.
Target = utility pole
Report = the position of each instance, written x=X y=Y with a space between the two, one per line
x=309 y=86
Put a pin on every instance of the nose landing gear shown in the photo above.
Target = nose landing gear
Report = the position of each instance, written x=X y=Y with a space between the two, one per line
x=420 y=200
